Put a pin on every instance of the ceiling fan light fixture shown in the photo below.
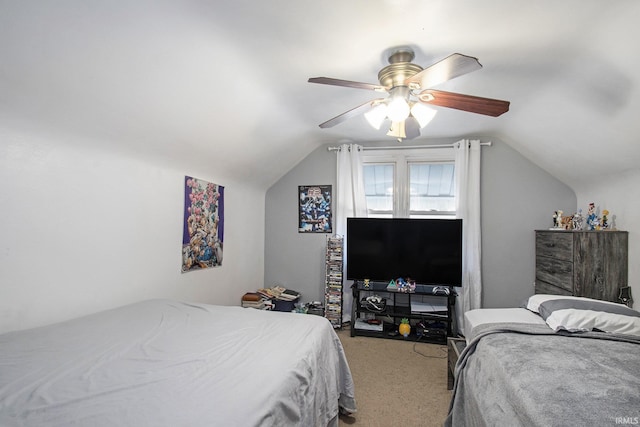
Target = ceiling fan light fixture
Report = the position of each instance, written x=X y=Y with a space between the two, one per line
x=422 y=113
x=376 y=115
x=405 y=81
x=398 y=109
x=396 y=130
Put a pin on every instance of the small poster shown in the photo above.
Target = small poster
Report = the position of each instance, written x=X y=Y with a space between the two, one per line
x=314 y=209
x=203 y=228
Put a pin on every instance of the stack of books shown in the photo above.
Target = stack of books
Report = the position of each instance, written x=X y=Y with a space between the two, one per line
x=279 y=293
x=255 y=300
x=288 y=295
x=281 y=298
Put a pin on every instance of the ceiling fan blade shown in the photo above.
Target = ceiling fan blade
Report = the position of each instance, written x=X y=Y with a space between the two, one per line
x=472 y=104
x=360 y=109
x=452 y=66
x=347 y=83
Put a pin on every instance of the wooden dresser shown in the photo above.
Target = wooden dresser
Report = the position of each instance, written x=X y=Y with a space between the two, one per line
x=589 y=264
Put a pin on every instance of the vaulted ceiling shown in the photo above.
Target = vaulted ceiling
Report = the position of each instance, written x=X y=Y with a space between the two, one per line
x=224 y=85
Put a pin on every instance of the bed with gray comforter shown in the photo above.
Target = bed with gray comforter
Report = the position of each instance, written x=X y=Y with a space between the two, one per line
x=169 y=363
x=530 y=375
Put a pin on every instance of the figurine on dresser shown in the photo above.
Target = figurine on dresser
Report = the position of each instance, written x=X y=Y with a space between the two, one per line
x=578 y=220
x=605 y=219
x=567 y=222
x=592 y=218
x=557 y=220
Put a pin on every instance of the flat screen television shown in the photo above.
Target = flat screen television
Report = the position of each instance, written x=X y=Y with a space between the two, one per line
x=428 y=251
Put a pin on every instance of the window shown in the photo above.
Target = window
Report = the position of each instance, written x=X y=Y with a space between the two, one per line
x=410 y=183
x=379 y=189
x=431 y=189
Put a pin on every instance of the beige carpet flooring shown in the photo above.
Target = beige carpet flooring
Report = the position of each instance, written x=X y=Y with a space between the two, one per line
x=397 y=383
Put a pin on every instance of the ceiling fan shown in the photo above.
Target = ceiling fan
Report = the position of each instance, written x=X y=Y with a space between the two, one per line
x=405 y=110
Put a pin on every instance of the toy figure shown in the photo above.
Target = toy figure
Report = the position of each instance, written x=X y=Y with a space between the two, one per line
x=557 y=219
x=605 y=219
x=578 y=220
x=592 y=219
x=412 y=285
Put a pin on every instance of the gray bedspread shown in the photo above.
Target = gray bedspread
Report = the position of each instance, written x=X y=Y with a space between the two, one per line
x=168 y=363
x=528 y=375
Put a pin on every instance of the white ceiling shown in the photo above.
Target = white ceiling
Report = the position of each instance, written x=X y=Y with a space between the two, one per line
x=224 y=85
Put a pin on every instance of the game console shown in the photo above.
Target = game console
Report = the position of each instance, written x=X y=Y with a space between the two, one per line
x=431 y=330
x=375 y=303
x=441 y=291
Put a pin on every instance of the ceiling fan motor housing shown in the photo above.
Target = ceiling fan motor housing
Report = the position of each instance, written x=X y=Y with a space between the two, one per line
x=399 y=69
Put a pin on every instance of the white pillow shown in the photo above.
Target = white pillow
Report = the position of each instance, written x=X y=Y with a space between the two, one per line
x=584 y=314
x=573 y=320
x=534 y=301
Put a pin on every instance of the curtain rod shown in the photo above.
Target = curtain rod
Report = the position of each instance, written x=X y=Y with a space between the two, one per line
x=396 y=147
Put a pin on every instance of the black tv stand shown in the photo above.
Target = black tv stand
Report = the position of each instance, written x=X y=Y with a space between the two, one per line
x=432 y=318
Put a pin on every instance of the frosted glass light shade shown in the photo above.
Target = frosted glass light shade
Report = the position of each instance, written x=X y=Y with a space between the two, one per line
x=376 y=115
x=422 y=113
x=398 y=109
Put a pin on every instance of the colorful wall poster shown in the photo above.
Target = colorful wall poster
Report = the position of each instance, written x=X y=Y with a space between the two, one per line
x=203 y=228
x=314 y=211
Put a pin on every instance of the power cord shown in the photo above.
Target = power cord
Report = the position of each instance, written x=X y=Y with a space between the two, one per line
x=442 y=349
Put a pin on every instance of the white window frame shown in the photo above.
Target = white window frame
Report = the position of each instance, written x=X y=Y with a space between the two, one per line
x=401 y=158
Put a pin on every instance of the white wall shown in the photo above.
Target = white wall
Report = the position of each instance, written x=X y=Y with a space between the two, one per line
x=292 y=259
x=84 y=229
x=619 y=193
x=517 y=197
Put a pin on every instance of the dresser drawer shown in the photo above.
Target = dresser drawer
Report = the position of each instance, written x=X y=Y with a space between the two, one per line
x=555 y=272
x=592 y=264
x=546 y=288
x=555 y=244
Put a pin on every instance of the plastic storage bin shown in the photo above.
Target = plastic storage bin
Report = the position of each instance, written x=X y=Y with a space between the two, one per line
x=281 y=305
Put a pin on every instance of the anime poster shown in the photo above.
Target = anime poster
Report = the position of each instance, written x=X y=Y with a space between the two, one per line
x=203 y=228
x=314 y=209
